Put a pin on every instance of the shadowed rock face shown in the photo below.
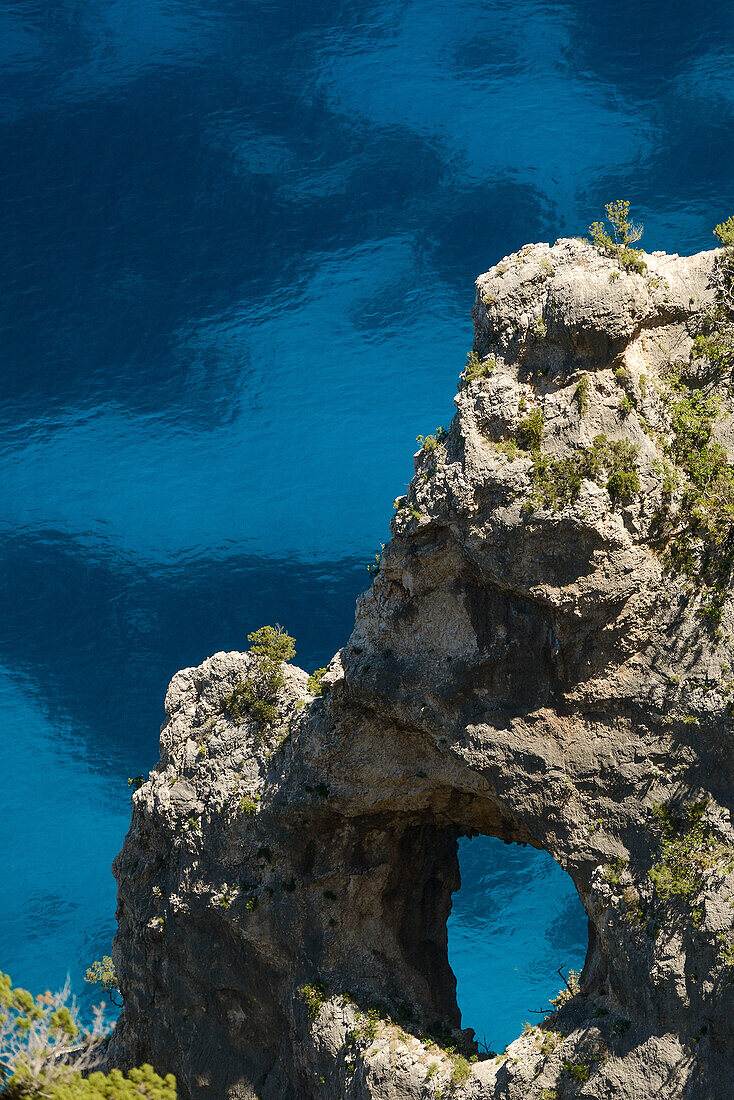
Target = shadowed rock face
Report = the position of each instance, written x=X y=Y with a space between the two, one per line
x=519 y=668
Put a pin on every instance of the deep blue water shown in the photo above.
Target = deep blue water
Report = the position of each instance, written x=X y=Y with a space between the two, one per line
x=239 y=241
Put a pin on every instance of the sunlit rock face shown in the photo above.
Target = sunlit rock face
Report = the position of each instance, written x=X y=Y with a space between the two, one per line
x=529 y=663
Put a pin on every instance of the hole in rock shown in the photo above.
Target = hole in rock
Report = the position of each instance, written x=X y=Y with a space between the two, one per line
x=515 y=919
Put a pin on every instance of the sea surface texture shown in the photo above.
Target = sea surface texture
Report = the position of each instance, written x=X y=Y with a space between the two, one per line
x=239 y=241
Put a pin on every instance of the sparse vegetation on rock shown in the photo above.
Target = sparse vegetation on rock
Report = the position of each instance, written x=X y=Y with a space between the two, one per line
x=256 y=696
x=314 y=681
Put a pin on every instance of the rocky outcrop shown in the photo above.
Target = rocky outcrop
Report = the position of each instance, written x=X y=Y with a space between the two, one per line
x=545 y=656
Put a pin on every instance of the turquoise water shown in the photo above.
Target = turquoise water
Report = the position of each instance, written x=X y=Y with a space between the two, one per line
x=239 y=240
x=514 y=923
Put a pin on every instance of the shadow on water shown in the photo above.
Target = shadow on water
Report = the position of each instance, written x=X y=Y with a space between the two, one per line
x=97 y=641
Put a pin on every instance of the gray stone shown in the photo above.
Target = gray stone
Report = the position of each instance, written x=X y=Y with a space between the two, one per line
x=522 y=672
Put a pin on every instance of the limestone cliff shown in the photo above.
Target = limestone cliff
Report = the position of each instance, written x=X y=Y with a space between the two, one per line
x=544 y=656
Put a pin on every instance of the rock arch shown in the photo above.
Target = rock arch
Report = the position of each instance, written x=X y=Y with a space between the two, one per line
x=514 y=670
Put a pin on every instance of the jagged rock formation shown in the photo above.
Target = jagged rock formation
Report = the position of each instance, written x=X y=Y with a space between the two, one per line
x=544 y=657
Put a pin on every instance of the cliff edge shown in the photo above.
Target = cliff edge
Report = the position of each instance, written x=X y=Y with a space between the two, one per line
x=545 y=656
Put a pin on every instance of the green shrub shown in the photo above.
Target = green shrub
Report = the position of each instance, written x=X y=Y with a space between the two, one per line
x=581 y=394
x=461 y=1070
x=104 y=974
x=557 y=481
x=716 y=342
x=246 y=701
x=571 y=989
x=248 y=804
x=477 y=368
x=431 y=443
x=273 y=643
x=579 y=1071
x=314 y=995
x=529 y=434
x=726 y=950
x=700 y=543
x=688 y=850
x=368 y=1026
x=613 y=870
x=139 y=1084
x=314 y=681
x=725 y=232
x=256 y=697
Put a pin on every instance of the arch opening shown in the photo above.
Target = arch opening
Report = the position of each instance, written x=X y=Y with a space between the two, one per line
x=515 y=919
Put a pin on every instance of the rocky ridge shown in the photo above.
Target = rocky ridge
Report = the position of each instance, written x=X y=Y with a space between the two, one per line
x=544 y=655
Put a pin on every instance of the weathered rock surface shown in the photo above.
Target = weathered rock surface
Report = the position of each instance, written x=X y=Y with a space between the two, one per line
x=521 y=669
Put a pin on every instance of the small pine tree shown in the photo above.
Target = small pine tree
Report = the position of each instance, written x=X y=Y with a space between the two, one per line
x=256 y=696
x=624 y=234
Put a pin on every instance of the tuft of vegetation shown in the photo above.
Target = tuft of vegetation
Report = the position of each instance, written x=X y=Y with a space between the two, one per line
x=368 y=1025
x=373 y=568
x=273 y=643
x=529 y=434
x=581 y=394
x=547 y=1040
x=698 y=534
x=460 y=1070
x=104 y=974
x=557 y=481
x=256 y=697
x=623 y=481
x=431 y=443
x=687 y=850
x=624 y=233
x=612 y=872
x=571 y=989
x=138 y=1084
x=35 y=1034
x=716 y=343
x=579 y=1071
x=314 y=681
x=248 y=804
x=477 y=368
x=314 y=995
x=726 y=950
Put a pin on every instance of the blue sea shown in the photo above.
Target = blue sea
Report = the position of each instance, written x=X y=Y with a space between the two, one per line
x=238 y=246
